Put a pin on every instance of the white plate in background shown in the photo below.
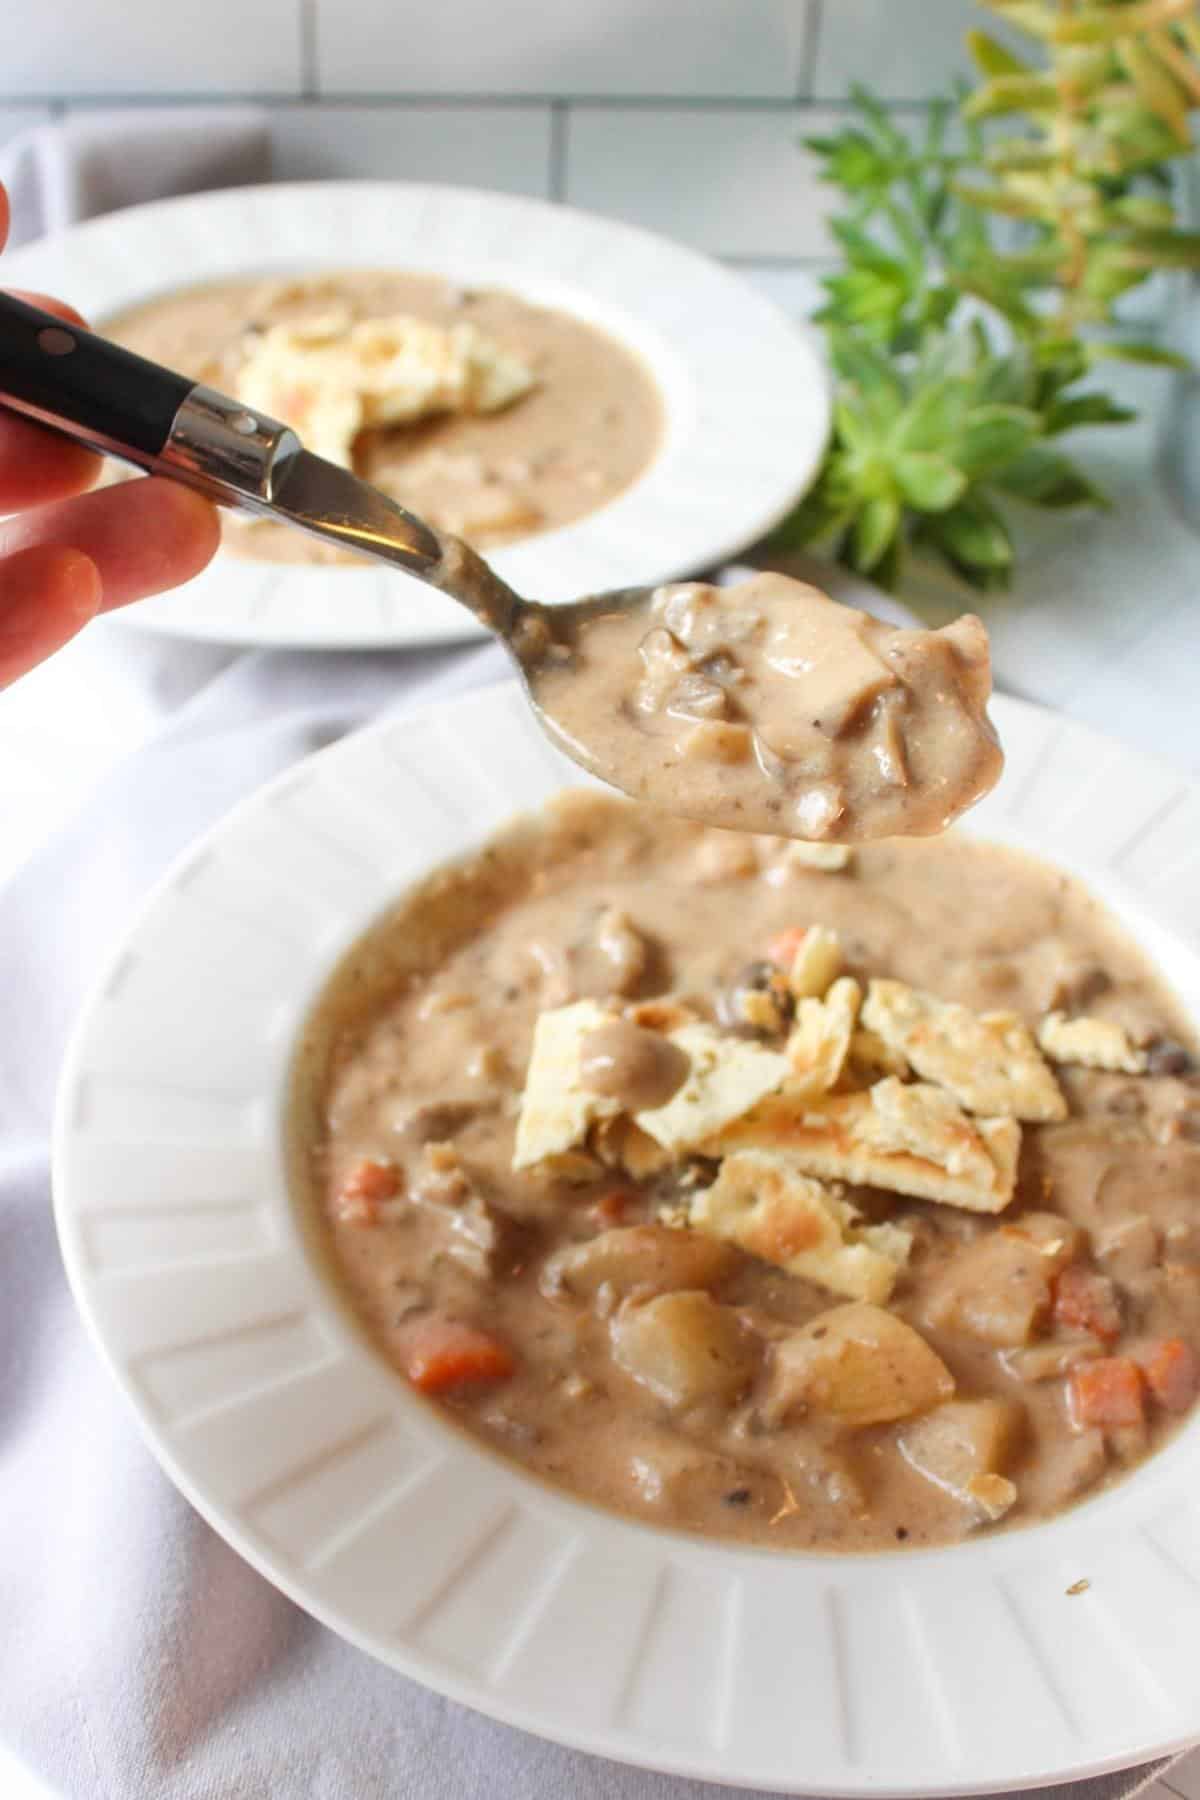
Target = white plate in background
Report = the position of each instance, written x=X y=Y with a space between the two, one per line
x=921 y=1673
x=745 y=391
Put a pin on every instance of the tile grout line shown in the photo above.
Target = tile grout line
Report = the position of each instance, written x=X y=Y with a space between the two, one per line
x=764 y=259
x=557 y=173
x=810 y=44
x=748 y=103
x=309 y=84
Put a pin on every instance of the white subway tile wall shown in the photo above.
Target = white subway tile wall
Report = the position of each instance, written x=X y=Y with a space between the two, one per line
x=505 y=147
x=144 y=47
x=732 y=182
x=715 y=47
x=905 y=48
x=683 y=115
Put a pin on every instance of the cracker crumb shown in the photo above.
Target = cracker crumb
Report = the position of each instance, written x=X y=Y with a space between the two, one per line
x=1092 y=1043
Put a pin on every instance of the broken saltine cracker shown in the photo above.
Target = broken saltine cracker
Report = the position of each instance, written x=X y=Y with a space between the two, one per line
x=763 y=1202
x=728 y=1076
x=620 y=1144
x=556 y=1107
x=1093 y=1043
x=870 y=1058
x=988 y=1061
x=908 y=1139
x=820 y=1038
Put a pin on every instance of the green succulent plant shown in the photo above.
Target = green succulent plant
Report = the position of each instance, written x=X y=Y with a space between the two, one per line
x=960 y=349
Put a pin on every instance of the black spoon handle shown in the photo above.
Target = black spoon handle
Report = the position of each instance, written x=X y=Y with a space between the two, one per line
x=87 y=388
x=84 y=385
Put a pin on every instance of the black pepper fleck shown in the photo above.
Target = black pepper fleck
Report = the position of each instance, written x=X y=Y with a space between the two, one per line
x=737 y=1497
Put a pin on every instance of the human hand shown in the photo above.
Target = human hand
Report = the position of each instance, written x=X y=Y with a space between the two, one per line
x=67 y=554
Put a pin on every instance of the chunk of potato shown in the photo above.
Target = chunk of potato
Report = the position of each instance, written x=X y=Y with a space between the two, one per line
x=998 y=1288
x=684 y=1347
x=859 y=1364
x=642 y=1259
x=964 y=1448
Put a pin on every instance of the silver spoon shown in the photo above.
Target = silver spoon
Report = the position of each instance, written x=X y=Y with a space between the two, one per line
x=584 y=685
x=92 y=390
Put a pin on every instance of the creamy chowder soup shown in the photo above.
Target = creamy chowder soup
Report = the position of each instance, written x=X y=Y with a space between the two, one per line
x=792 y=1194
x=767 y=706
x=489 y=416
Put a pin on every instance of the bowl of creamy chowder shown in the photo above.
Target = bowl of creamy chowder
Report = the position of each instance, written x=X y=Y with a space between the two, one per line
x=545 y=1236
x=590 y=403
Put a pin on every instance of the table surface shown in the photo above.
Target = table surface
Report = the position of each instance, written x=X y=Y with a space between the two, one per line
x=1103 y=623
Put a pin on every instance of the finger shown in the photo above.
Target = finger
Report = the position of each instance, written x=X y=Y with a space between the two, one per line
x=37 y=467
x=143 y=536
x=3 y=216
x=46 y=595
x=49 y=304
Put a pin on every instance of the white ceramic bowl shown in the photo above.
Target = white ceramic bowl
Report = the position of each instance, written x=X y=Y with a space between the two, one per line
x=920 y=1673
x=745 y=391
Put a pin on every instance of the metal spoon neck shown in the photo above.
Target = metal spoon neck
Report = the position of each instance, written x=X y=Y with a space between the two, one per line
x=463 y=574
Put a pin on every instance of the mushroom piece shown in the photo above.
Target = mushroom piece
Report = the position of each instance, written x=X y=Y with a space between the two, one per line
x=757 y=1001
x=612 y=959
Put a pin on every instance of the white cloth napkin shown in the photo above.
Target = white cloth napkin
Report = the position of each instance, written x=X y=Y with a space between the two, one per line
x=140 y=1657
x=95 y=162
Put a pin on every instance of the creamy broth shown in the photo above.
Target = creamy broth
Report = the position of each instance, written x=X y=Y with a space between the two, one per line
x=587 y=430
x=769 y=707
x=605 y=1345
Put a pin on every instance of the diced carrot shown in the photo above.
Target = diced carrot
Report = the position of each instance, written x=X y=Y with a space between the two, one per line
x=782 y=949
x=611 y=1208
x=1172 y=1371
x=368 y=1184
x=1106 y=1392
x=443 y=1354
x=1086 y=1301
